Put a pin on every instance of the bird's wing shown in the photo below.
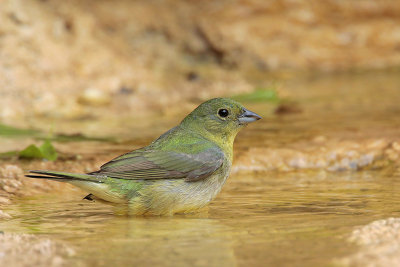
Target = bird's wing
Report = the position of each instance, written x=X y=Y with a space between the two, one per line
x=155 y=164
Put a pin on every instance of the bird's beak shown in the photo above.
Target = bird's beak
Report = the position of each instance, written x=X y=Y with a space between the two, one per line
x=248 y=116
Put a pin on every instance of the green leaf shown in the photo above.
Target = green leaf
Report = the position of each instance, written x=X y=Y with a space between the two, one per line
x=80 y=137
x=45 y=151
x=31 y=152
x=259 y=95
x=48 y=151
x=10 y=131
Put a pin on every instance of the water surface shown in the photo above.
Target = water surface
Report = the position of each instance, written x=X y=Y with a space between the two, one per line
x=292 y=219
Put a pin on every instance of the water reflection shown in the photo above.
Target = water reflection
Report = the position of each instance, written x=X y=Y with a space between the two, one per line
x=101 y=238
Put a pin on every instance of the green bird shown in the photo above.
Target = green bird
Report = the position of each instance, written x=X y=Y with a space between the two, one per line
x=180 y=172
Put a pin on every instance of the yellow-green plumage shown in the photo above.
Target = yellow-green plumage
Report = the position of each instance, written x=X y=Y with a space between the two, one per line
x=180 y=172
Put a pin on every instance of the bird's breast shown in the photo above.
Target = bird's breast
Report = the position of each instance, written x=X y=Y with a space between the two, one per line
x=180 y=196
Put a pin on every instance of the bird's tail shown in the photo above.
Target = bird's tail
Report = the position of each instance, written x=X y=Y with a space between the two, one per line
x=63 y=176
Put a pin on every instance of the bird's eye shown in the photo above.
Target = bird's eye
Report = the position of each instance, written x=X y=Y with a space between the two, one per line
x=223 y=113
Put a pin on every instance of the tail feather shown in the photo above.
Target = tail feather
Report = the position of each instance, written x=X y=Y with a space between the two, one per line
x=65 y=176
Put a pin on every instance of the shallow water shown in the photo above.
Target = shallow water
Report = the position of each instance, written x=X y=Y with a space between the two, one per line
x=292 y=219
x=260 y=218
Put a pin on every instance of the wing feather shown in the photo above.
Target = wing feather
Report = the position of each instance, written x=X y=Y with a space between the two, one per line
x=155 y=164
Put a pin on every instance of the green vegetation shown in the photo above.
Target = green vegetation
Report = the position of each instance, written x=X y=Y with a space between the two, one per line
x=45 y=151
x=10 y=131
x=259 y=95
x=80 y=137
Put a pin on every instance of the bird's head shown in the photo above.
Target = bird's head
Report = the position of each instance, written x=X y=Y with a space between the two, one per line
x=219 y=119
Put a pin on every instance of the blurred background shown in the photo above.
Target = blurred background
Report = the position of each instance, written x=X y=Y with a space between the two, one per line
x=73 y=59
x=84 y=81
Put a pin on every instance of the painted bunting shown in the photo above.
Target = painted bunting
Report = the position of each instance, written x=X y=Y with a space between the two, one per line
x=180 y=172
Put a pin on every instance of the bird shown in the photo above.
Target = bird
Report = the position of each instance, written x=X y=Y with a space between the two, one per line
x=180 y=172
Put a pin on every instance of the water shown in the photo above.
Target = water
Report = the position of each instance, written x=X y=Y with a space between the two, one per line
x=293 y=219
x=262 y=218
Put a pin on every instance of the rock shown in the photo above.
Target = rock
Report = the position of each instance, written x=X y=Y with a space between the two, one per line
x=11 y=171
